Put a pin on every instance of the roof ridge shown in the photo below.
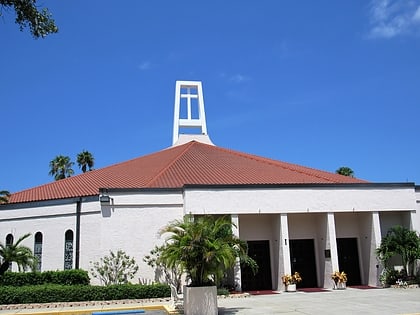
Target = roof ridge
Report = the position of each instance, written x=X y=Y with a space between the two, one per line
x=176 y=158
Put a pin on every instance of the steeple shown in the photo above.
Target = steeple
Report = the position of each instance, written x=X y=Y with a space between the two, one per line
x=189 y=114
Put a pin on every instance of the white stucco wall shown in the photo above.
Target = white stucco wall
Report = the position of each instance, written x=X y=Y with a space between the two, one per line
x=289 y=200
x=52 y=221
x=131 y=224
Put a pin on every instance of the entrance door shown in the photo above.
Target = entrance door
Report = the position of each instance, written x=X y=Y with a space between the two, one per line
x=348 y=259
x=302 y=259
x=260 y=252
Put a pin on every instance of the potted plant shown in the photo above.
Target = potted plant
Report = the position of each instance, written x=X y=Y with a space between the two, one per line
x=290 y=281
x=340 y=279
x=203 y=248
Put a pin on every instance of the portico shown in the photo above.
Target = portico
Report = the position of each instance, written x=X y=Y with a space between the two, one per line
x=313 y=241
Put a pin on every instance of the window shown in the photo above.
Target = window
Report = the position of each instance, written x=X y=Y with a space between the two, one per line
x=9 y=241
x=38 y=250
x=68 y=250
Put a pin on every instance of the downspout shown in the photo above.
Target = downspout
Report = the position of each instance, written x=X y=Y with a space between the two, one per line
x=78 y=214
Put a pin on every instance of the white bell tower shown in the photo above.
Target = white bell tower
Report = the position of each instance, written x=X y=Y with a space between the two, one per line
x=189 y=114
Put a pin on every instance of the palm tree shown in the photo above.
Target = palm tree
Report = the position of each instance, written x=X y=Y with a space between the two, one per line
x=17 y=253
x=346 y=171
x=204 y=248
x=85 y=159
x=4 y=196
x=400 y=241
x=61 y=167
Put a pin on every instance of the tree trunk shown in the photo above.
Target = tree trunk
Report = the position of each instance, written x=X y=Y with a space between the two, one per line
x=4 y=267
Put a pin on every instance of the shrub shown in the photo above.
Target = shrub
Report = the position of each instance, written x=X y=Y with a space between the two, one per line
x=65 y=277
x=75 y=293
x=390 y=277
x=116 y=268
x=222 y=291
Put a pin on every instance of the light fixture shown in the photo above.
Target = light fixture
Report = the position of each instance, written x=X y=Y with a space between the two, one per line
x=104 y=198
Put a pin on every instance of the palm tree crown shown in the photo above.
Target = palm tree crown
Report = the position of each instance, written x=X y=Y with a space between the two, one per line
x=17 y=253
x=346 y=171
x=61 y=167
x=400 y=241
x=4 y=196
x=203 y=247
x=85 y=160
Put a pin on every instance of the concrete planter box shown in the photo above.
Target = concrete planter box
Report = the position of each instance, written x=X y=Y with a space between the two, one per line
x=200 y=300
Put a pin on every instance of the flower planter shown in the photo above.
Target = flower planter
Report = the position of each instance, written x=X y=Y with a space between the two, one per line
x=291 y=288
x=340 y=286
x=290 y=281
x=200 y=300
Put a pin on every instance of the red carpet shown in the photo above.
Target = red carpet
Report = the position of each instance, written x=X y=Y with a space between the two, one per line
x=310 y=290
x=263 y=292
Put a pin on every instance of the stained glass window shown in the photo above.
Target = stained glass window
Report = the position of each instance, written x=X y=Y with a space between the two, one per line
x=9 y=241
x=68 y=250
x=38 y=250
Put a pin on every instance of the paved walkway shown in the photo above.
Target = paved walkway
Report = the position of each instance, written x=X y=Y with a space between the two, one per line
x=349 y=301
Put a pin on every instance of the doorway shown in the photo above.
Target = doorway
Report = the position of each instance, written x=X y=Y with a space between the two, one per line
x=302 y=260
x=260 y=252
x=348 y=259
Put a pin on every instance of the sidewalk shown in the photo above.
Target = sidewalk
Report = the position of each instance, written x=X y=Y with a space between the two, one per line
x=349 y=301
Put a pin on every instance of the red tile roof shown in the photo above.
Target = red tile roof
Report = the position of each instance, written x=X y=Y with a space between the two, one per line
x=190 y=163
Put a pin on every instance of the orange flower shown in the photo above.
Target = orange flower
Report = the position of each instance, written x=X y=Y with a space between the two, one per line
x=291 y=279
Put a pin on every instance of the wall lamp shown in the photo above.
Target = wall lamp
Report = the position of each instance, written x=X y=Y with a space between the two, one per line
x=104 y=198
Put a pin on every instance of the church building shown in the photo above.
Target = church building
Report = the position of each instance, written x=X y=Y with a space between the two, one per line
x=294 y=218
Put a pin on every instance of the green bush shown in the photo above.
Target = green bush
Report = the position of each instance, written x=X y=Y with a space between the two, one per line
x=65 y=277
x=222 y=291
x=391 y=276
x=49 y=293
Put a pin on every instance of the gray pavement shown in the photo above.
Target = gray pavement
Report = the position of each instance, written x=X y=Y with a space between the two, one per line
x=349 y=301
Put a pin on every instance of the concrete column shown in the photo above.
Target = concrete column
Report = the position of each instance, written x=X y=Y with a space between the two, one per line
x=375 y=268
x=237 y=268
x=331 y=262
x=413 y=222
x=284 y=251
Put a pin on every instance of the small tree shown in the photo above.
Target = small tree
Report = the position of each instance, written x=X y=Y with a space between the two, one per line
x=403 y=242
x=117 y=268
x=172 y=274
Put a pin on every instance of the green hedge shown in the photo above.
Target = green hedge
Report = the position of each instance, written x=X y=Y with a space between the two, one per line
x=75 y=293
x=65 y=277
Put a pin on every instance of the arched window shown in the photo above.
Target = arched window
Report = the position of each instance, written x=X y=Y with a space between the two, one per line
x=68 y=250
x=9 y=241
x=38 y=250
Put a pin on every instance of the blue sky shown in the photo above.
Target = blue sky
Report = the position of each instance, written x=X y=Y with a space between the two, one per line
x=321 y=83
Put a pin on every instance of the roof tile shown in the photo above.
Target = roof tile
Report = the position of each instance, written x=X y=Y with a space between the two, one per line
x=190 y=163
